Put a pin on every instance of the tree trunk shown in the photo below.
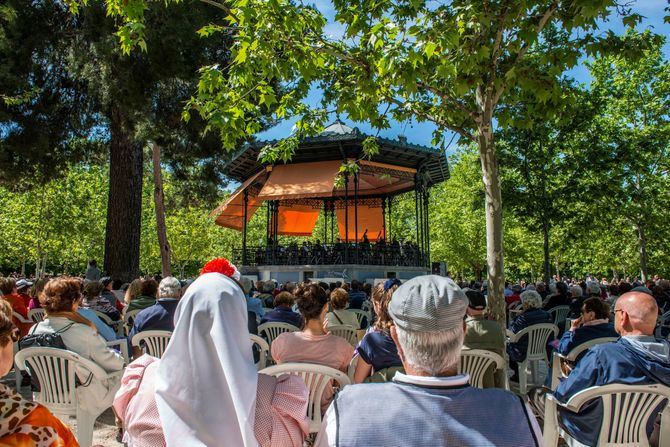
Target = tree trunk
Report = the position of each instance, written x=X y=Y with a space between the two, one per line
x=642 y=248
x=547 y=261
x=159 y=204
x=494 y=219
x=124 y=203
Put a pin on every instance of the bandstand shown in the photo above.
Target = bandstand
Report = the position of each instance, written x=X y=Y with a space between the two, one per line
x=356 y=241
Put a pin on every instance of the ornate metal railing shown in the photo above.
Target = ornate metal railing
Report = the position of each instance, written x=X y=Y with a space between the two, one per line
x=337 y=254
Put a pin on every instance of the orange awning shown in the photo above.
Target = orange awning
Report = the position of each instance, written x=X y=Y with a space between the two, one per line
x=369 y=218
x=230 y=213
x=297 y=220
x=297 y=181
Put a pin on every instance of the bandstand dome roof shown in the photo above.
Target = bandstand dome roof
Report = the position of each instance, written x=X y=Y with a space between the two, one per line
x=301 y=185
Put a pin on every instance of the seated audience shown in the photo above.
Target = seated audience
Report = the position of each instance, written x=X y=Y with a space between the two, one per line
x=9 y=294
x=133 y=291
x=560 y=298
x=61 y=301
x=282 y=312
x=514 y=297
x=378 y=356
x=636 y=358
x=266 y=296
x=431 y=404
x=532 y=314
x=205 y=389
x=356 y=296
x=312 y=344
x=338 y=314
x=482 y=333
x=107 y=293
x=160 y=316
x=22 y=419
x=593 y=323
x=35 y=293
x=22 y=288
x=253 y=304
x=592 y=291
x=147 y=296
x=93 y=301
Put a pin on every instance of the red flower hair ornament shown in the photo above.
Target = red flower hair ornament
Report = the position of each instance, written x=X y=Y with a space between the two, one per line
x=223 y=266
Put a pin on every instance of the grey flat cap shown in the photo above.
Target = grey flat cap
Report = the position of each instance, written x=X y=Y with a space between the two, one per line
x=428 y=303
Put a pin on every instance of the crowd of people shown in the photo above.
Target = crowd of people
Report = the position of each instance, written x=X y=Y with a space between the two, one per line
x=205 y=388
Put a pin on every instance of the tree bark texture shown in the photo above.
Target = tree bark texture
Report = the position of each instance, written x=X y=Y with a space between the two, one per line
x=494 y=221
x=159 y=205
x=642 y=248
x=547 y=261
x=124 y=203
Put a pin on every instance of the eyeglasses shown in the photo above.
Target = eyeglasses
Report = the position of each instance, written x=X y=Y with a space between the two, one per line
x=618 y=310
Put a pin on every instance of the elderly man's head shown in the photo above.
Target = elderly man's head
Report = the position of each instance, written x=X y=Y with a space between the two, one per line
x=170 y=287
x=635 y=313
x=576 y=291
x=593 y=288
x=428 y=327
x=530 y=299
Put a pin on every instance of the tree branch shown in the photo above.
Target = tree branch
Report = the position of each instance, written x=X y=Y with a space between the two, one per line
x=459 y=130
x=444 y=96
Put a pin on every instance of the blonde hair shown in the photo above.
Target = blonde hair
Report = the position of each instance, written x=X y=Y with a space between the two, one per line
x=134 y=289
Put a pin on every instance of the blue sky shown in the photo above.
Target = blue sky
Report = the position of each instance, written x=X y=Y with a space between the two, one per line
x=421 y=133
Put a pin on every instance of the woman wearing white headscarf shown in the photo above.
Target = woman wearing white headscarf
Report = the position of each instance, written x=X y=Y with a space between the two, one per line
x=205 y=391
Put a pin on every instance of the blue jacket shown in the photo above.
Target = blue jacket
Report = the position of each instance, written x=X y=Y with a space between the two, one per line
x=632 y=360
x=583 y=334
x=517 y=351
x=282 y=315
x=159 y=317
x=356 y=299
x=104 y=330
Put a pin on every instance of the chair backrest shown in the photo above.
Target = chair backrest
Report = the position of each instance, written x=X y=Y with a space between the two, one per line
x=36 y=315
x=577 y=350
x=360 y=315
x=263 y=350
x=317 y=378
x=108 y=321
x=344 y=331
x=153 y=342
x=55 y=371
x=476 y=362
x=559 y=313
x=626 y=411
x=273 y=330
x=366 y=306
x=129 y=319
x=538 y=335
x=20 y=318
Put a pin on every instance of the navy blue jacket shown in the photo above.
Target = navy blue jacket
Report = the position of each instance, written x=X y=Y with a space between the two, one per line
x=356 y=299
x=627 y=362
x=159 y=317
x=517 y=351
x=282 y=315
x=583 y=334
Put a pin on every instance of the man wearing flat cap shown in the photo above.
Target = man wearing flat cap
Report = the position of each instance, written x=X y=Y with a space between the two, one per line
x=431 y=404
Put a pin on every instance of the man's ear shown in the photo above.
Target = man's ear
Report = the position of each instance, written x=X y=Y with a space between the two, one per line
x=394 y=336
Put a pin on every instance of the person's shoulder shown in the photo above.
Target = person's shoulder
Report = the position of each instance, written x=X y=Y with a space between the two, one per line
x=375 y=391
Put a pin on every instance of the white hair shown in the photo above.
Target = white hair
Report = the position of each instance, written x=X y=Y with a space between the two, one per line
x=432 y=352
x=576 y=291
x=246 y=284
x=552 y=288
x=531 y=299
x=593 y=288
x=170 y=287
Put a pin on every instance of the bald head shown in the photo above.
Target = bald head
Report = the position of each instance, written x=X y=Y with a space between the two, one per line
x=636 y=314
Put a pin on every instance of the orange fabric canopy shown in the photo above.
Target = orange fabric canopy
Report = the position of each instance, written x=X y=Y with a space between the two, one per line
x=297 y=181
x=230 y=213
x=369 y=218
x=297 y=220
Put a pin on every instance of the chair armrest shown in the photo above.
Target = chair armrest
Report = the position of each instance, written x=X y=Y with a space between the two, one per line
x=511 y=336
x=19 y=317
x=122 y=344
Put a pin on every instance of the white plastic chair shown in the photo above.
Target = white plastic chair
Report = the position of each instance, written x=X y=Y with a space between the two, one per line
x=559 y=313
x=263 y=350
x=273 y=330
x=55 y=372
x=538 y=335
x=344 y=331
x=116 y=325
x=476 y=362
x=129 y=319
x=626 y=411
x=36 y=315
x=366 y=306
x=21 y=318
x=316 y=377
x=360 y=315
x=122 y=345
x=558 y=359
x=152 y=342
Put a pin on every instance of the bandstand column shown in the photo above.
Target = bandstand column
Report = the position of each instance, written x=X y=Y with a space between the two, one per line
x=325 y=221
x=244 y=228
x=346 y=218
x=275 y=230
x=416 y=210
x=384 y=218
x=356 y=213
x=390 y=213
x=332 y=221
x=427 y=237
